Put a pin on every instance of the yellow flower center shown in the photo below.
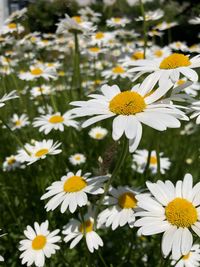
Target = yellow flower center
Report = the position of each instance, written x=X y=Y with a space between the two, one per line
x=11 y=161
x=153 y=160
x=41 y=152
x=158 y=53
x=39 y=242
x=18 y=123
x=77 y=157
x=36 y=71
x=137 y=55
x=99 y=135
x=117 y=20
x=99 y=35
x=74 y=184
x=61 y=73
x=118 y=70
x=175 y=61
x=77 y=19
x=56 y=119
x=181 y=213
x=127 y=103
x=94 y=49
x=127 y=201
x=12 y=26
x=181 y=82
x=86 y=227
x=186 y=257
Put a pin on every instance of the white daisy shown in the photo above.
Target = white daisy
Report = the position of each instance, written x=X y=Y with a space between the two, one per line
x=117 y=22
x=98 y=133
x=173 y=210
x=40 y=243
x=195 y=20
x=40 y=90
x=77 y=159
x=101 y=38
x=11 y=28
x=11 y=163
x=130 y=109
x=71 y=191
x=7 y=97
x=151 y=15
x=122 y=206
x=39 y=150
x=192 y=259
x=47 y=123
x=19 y=122
x=38 y=71
x=75 y=230
x=168 y=68
x=165 y=25
x=140 y=158
x=116 y=72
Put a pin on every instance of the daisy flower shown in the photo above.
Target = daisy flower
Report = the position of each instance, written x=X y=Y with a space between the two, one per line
x=98 y=133
x=140 y=158
x=74 y=24
x=151 y=15
x=172 y=210
x=122 y=206
x=7 y=97
x=130 y=109
x=101 y=38
x=116 y=72
x=192 y=259
x=77 y=159
x=75 y=230
x=39 y=150
x=117 y=22
x=179 y=46
x=47 y=123
x=40 y=90
x=11 y=28
x=39 y=243
x=194 y=21
x=170 y=67
x=71 y=191
x=19 y=122
x=11 y=163
x=165 y=25
x=39 y=71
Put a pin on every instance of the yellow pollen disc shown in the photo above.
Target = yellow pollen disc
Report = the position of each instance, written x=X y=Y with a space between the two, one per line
x=45 y=41
x=118 y=70
x=41 y=152
x=74 y=184
x=94 y=49
x=117 y=20
x=186 y=257
x=56 y=119
x=39 y=242
x=127 y=103
x=153 y=160
x=86 y=227
x=127 y=201
x=175 y=61
x=11 y=161
x=12 y=26
x=98 y=135
x=99 y=35
x=158 y=53
x=181 y=82
x=36 y=71
x=61 y=73
x=77 y=19
x=18 y=123
x=181 y=213
x=137 y=55
x=77 y=157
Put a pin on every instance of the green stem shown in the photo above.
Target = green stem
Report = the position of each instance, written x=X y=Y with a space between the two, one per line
x=117 y=168
x=158 y=159
x=53 y=102
x=144 y=26
x=102 y=260
x=77 y=72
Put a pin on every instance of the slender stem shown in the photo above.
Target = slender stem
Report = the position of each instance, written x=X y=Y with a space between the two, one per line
x=53 y=102
x=102 y=260
x=144 y=26
x=117 y=168
x=14 y=135
x=158 y=159
x=77 y=72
